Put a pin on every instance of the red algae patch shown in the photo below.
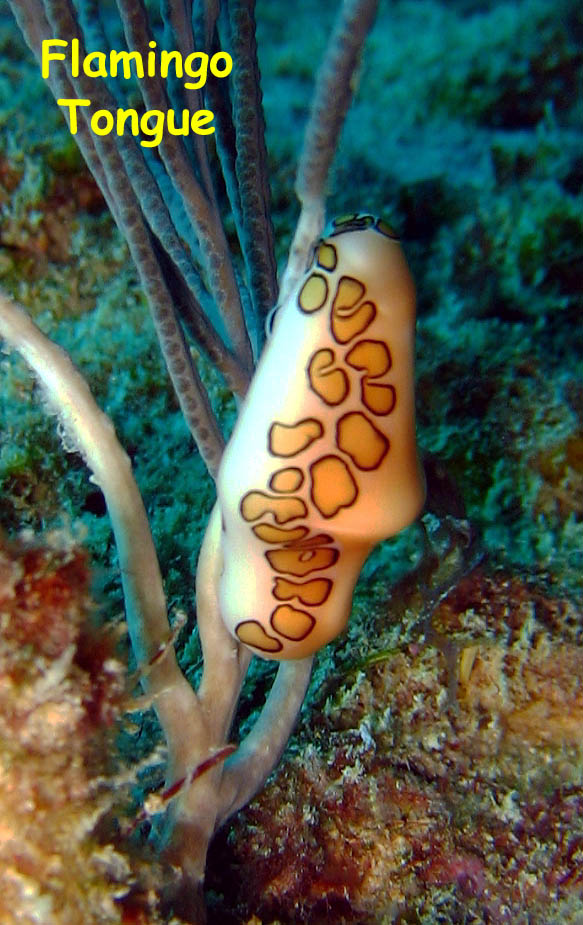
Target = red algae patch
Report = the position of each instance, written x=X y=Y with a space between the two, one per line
x=410 y=804
x=62 y=693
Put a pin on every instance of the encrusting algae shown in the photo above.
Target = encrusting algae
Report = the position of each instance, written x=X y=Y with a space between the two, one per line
x=411 y=807
x=62 y=692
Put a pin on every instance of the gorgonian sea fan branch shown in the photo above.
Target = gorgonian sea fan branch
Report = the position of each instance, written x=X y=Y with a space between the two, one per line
x=195 y=287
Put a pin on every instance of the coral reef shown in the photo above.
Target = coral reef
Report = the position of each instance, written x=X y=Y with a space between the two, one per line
x=410 y=806
x=62 y=692
x=426 y=783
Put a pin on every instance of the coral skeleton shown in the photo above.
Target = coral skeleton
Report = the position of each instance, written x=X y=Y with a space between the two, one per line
x=322 y=463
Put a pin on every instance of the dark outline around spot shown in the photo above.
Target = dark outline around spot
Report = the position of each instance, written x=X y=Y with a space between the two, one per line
x=342 y=507
x=386 y=440
x=252 y=645
x=292 y=638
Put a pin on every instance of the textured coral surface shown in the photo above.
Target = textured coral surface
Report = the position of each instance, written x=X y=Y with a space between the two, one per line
x=50 y=707
x=415 y=805
x=61 y=692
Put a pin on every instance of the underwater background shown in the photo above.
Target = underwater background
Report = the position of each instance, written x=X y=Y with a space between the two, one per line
x=436 y=774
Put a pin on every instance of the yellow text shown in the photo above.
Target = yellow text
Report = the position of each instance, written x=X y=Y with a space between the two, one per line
x=150 y=124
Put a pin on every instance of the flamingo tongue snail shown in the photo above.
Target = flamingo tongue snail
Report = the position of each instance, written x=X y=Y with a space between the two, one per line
x=322 y=463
